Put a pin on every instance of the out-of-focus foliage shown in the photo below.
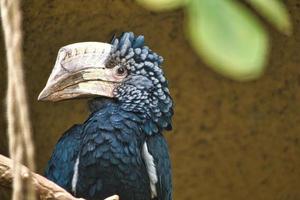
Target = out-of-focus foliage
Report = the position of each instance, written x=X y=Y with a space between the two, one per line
x=228 y=37
x=275 y=12
x=159 y=5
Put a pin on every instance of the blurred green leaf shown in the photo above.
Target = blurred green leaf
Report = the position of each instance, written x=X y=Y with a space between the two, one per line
x=275 y=12
x=159 y=5
x=228 y=37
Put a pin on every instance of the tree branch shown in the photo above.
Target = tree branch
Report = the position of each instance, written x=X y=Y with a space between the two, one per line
x=46 y=189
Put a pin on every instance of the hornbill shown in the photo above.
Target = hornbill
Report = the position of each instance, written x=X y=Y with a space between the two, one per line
x=120 y=148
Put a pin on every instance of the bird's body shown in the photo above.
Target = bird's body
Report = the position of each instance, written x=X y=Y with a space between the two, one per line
x=120 y=148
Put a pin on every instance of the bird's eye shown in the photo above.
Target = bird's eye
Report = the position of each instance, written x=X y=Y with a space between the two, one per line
x=121 y=71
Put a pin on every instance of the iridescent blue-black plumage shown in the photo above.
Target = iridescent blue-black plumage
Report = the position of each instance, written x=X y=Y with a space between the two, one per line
x=60 y=167
x=106 y=155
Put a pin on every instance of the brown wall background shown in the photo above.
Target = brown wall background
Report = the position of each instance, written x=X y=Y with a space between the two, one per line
x=230 y=141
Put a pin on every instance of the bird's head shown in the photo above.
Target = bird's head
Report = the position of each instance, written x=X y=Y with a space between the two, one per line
x=126 y=70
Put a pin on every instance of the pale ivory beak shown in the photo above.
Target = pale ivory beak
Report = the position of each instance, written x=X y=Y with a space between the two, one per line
x=80 y=71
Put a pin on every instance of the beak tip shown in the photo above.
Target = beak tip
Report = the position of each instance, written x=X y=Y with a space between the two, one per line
x=42 y=96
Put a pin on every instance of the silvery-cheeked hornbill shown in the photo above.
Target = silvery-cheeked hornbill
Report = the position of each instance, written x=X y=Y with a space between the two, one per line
x=120 y=148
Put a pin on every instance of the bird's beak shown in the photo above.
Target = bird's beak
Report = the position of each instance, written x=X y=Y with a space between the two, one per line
x=80 y=71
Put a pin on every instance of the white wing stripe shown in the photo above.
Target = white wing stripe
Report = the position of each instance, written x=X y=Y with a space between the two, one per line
x=75 y=175
x=151 y=169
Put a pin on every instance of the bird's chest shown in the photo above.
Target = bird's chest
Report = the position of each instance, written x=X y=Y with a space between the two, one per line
x=110 y=162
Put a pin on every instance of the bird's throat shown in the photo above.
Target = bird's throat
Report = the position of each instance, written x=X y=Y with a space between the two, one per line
x=97 y=103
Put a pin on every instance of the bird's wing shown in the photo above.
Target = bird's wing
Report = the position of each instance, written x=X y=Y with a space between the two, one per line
x=158 y=149
x=61 y=164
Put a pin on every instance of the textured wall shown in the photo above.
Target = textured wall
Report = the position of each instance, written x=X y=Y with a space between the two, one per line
x=231 y=140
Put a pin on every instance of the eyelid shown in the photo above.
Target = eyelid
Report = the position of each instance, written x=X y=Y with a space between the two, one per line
x=119 y=67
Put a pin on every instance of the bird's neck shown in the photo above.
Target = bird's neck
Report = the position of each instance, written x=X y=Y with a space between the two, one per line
x=157 y=117
x=156 y=105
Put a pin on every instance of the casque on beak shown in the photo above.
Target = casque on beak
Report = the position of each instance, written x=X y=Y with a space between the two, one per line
x=80 y=71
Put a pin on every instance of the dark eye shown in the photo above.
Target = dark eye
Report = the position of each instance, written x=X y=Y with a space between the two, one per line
x=121 y=71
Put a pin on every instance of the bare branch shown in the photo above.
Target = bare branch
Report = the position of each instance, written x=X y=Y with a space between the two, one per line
x=46 y=189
